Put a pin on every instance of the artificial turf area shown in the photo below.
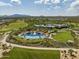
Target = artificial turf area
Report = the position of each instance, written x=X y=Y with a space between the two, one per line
x=63 y=36
x=20 y=53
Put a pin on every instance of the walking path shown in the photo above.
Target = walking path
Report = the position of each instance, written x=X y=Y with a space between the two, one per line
x=20 y=46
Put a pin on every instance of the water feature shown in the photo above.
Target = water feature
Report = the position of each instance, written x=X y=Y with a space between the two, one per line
x=33 y=35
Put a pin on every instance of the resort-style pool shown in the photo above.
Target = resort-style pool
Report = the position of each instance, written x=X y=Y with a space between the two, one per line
x=33 y=35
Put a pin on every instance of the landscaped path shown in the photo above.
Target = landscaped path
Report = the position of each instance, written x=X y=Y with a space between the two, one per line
x=20 y=46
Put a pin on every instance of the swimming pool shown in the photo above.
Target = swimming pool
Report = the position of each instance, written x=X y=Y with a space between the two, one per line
x=33 y=35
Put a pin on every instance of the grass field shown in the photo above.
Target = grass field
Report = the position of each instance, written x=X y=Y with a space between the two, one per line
x=14 y=26
x=20 y=53
x=63 y=36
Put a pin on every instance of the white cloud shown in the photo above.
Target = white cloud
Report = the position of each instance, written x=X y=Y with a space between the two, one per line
x=40 y=1
x=74 y=6
x=10 y=4
x=57 y=7
x=47 y=1
x=16 y=1
x=55 y=1
x=5 y=4
x=65 y=0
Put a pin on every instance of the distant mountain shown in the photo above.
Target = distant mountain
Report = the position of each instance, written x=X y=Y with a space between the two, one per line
x=18 y=15
x=7 y=17
x=14 y=15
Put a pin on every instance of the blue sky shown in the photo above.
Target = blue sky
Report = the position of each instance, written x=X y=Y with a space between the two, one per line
x=40 y=7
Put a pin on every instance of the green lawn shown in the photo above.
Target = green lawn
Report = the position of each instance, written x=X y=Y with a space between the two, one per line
x=14 y=26
x=20 y=53
x=63 y=36
x=75 y=25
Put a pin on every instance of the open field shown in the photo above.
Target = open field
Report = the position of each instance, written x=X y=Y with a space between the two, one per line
x=63 y=36
x=14 y=26
x=19 y=53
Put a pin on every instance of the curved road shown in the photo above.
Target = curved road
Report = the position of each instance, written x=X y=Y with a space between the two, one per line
x=20 y=46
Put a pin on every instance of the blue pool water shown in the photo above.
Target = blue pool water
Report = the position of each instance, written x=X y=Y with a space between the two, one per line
x=33 y=35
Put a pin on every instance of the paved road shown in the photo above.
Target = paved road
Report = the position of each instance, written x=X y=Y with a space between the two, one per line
x=40 y=48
